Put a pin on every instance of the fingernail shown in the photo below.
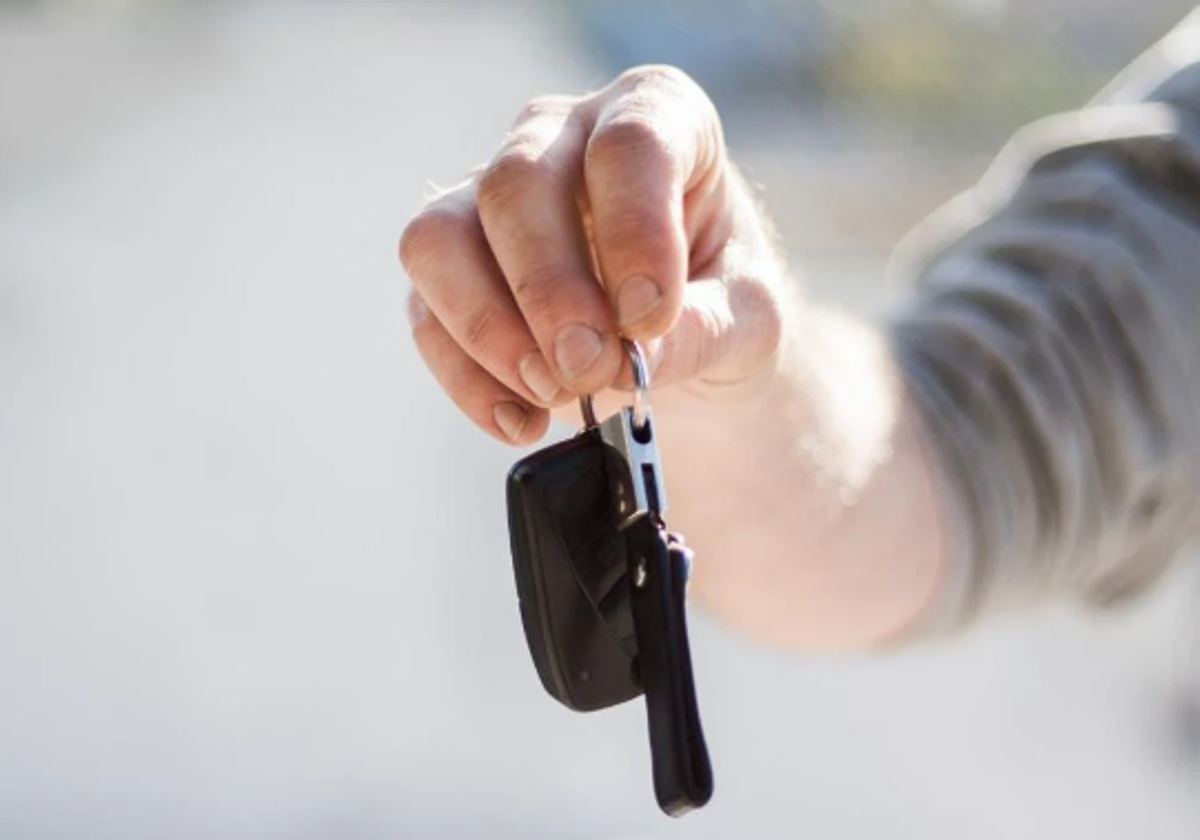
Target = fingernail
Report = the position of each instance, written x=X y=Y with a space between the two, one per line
x=536 y=375
x=417 y=310
x=638 y=298
x=511 y=419
x=576 y=349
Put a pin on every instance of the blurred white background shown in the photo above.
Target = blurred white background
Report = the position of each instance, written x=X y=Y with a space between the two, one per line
x=254 y=573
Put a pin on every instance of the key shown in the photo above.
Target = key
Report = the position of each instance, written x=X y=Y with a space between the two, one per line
x=602 y=585
x=572 y=576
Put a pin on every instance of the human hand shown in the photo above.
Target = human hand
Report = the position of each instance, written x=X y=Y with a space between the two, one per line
x=612 y=214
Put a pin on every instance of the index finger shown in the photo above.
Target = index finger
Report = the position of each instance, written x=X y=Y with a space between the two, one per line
x=656 y=138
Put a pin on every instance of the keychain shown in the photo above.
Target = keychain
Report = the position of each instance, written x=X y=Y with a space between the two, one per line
x=602 y=585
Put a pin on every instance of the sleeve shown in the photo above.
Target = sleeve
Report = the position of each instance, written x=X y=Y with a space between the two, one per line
x=1053 y=348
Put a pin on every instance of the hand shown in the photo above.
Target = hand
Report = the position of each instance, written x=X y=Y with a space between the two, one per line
x=614 y=213
x=618 y=213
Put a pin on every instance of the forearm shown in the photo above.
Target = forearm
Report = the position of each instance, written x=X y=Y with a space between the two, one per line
x=1049 y=362
x=1025 y=428
x=812 y=503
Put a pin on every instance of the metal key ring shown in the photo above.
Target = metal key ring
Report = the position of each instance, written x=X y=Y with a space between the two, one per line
x=641 y=383
x=641 y=389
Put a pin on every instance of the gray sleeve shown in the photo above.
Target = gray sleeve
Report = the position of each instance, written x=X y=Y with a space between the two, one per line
x=1053 y=347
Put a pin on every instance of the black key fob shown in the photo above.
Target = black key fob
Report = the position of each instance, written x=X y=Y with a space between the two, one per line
x=602 y=586
x=571 y=573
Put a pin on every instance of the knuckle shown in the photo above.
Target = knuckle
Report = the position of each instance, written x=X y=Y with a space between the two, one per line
x=508 y=176
x=537 y=290
x=434 y=230
x=479 y=331
x=673 y=103
x=631 y=138
x=661 y=76
x=644 y=229
x=544 y=106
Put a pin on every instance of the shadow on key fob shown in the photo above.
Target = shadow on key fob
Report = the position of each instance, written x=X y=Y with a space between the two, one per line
x=569 y=560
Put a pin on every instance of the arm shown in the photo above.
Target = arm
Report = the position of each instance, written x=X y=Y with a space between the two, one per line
x=812 y=501
x=793 y=457
x=1054 y=352
x=1025 y=428
x=1051 y=362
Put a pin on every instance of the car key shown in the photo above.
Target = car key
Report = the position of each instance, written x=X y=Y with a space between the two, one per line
x=659 y=566
x=571 y=574
x=602 y=584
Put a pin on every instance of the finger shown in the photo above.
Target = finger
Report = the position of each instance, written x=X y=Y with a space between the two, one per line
x=479 y=395
x=727 y=331
x=451 y=266
x=655 y=139
x=527 y=206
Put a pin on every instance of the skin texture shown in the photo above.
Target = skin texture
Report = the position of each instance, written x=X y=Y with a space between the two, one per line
x=794 y=461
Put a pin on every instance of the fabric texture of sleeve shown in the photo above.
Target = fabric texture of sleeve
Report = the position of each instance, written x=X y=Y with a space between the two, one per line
x=1053 y=347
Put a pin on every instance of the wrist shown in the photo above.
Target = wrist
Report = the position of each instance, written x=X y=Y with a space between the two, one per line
x=807 y=498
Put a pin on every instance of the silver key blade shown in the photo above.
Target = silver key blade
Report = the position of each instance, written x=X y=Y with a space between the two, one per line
x=635 y=474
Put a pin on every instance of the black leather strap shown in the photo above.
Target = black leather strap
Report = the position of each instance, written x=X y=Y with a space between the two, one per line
x=682 y=772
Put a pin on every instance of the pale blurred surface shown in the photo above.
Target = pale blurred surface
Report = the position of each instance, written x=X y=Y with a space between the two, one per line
x=254 y=578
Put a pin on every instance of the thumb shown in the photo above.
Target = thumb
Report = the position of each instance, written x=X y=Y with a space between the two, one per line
x=728 y=332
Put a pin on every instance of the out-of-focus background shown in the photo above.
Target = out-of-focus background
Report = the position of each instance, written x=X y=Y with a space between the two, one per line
x=254 y=579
